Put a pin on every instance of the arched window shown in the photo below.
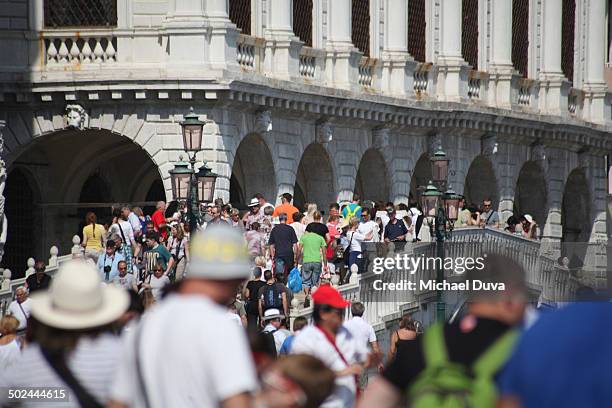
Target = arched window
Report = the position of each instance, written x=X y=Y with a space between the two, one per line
x=361 y=26
x=469 y=32
x=240 y=14
x=520 y=35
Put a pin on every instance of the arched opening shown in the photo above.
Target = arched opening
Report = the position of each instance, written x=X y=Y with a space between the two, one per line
x=314 y=181
x=480 y=183
x=156 y=193
x=372 y=182
x=530 y=196
x=252 y=172
x=24 y=231
x=81 y=171
x=576 y=220
x=420 y=176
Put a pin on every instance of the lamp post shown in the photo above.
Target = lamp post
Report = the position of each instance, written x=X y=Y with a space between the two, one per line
x=440 y=210
x=187 y=184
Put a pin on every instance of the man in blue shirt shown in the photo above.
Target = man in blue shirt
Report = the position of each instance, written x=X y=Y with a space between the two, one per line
x=563 y=360
x=396 y=230
x=108 y=263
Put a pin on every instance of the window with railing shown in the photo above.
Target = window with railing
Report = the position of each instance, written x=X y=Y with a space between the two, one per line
x=469 y=32
x=80 y=13
x=302 y=20
x=361 y=26
x=416 y=29
x=240 y=14
x=568 y=20
x=520 y=35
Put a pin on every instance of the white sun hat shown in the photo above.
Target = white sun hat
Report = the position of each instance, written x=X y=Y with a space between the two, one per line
x=219 y=253
x=253 y=202
x=77 y=300
x=529 y=218
x=271 y=314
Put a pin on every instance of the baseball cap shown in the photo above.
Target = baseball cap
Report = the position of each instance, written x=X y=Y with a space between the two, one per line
x=219 y=252
x=327 y=295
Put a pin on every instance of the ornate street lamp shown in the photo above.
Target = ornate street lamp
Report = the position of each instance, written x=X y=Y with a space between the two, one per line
x=186 y=183
x=429 y=201
x=206 y=184
x=180 y=178
x=439 y=168
x=451 y=205
x=192 y=132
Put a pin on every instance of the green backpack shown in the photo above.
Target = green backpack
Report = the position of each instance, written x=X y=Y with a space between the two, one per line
x=444 y=384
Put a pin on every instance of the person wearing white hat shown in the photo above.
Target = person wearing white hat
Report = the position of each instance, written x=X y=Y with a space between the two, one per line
x=71 y=346
x=253 y=215
x=530 y=227
x=272 y=318
x=202 y=371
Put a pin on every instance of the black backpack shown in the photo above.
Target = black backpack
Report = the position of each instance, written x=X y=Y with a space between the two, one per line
x=272 y=297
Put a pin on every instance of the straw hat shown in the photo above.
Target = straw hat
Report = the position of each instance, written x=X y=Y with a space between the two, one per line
x=77 y=300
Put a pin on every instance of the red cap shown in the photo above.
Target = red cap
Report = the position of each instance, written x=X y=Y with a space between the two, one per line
x=326 y=295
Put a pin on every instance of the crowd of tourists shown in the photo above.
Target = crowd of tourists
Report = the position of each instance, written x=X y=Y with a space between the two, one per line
x=149 y=315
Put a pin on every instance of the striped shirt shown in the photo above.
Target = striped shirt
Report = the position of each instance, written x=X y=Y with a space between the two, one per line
x=93 y=363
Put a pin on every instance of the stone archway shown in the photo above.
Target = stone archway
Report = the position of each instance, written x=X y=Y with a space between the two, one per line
x=315 y=178
x=576 y=222
x=480 y=183
x=372 y=181
x=530 y=195
x=420 y=176
x=252 y=172
x=80 y=171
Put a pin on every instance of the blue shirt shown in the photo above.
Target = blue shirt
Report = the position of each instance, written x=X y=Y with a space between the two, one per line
x=392 y=231
x=105 y=260
x=286 y=347
x=564 y=359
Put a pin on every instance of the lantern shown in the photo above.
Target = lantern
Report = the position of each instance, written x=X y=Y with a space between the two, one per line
x=192 y=132
x=180 y=177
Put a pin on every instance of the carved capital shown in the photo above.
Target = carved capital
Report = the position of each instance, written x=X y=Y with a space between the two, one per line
x=488 y=145
x=539 y=154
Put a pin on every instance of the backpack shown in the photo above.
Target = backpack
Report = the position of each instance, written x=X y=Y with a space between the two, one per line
x=444 y=383
x=352 y=213
x=295 y=280
x=272 y=297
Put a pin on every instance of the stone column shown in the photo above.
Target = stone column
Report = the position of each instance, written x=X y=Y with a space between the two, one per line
x=450 y=61
x=282 y=46
x=342 y=57
x=395 y=57
x=500 y=60
x=594 y=82
x=551 y=76
x=199 y=32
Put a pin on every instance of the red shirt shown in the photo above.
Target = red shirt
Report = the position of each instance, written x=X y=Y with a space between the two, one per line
x=158 y=219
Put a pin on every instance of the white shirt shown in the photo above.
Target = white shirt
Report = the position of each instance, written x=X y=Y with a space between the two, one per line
x=15 y=311
x=9 y=353
x=212 y=363
x=362 y=331
x=134 y=223
x=157 y=284
x=355 y=238
x=173 y=243
x=279 y=336
x=126 y=227
x=366 y=227
x=93 y=363
x=299 y=229
x=125 y=282
x=312 y=341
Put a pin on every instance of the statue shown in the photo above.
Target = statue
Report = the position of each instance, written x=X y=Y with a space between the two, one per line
x=76 y=117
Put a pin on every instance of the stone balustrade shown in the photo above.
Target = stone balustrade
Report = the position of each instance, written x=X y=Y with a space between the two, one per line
x=61 y=50
x=421 y=79
x=249 y=52
x=8 y=285
x=308 y=63
x=525 y=89
x=366 y=72
x=575 y=99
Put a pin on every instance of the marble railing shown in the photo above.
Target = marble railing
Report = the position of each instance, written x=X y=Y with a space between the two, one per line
x=63 y=49
x=8 y=285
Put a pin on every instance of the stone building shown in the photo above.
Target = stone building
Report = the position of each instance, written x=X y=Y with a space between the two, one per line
x=319 y=98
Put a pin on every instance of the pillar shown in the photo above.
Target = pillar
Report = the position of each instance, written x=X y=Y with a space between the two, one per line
x=200 y=33
x=282 y=46
x=395 y=80
x=551 y=75
x=500 y=61
x=342 y=58
x=594 y=82
x=450 y=61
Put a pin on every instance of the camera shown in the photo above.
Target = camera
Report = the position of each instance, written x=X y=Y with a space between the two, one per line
x=107 y=269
